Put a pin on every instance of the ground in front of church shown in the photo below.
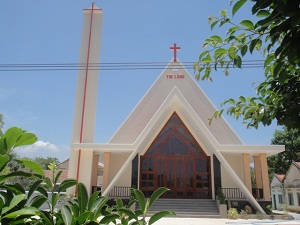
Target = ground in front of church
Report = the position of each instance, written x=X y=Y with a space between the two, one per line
x=209 y=221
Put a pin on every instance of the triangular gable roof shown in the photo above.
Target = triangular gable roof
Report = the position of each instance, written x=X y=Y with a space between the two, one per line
x=297 y=164
x=174 y=76
x=184 y=96
x=292 y=176
x=277 y=181
x=280 y=177
x=293 y=165
x=176 y=90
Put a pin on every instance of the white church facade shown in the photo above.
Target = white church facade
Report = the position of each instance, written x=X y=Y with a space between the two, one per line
x=166 y=140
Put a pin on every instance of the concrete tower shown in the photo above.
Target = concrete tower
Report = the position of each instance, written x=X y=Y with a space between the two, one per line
x=83 y=163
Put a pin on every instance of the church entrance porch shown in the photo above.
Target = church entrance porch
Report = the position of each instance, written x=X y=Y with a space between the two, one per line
x=176 y=161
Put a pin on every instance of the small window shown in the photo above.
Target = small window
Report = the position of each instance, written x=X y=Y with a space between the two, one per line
x=280 y=201
x=291 y=199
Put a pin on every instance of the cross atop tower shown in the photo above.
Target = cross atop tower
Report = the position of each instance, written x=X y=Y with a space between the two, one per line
x=175 y=48
x=93 y=7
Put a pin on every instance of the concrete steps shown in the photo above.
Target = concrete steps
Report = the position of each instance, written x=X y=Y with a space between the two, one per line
x=190 y=208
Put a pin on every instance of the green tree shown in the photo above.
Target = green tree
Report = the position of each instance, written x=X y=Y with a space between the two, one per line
x=1 y=124
x=291 y=139
x=274 y=31
x=15 y=166
x=45 y=162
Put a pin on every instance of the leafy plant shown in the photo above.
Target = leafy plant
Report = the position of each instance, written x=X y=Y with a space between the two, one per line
x=270 y=208
x=259 y=215
x=18 y=208
x=232 y=213
x=49 y=194
x=146 y=204
x=274 y=33
x=13 y=199
x=221 y=195
x=244 y=213
x=281 y=162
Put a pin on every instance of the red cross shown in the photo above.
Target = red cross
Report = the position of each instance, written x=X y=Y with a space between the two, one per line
x=92 y=8
x=175 y=48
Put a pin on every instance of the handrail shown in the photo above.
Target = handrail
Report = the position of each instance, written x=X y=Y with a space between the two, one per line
x=235 y=193
x=120 y=191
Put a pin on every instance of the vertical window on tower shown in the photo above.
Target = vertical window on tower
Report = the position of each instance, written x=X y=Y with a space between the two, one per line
x=134 y=172
x=217 y=172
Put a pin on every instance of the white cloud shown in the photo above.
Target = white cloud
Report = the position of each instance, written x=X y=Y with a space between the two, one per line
x=39 y=146
x=44 y=149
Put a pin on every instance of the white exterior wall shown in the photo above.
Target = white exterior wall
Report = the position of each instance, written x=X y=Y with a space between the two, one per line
x=292 y=177
x=275 y=192
x=296 y=204
x=275 y=183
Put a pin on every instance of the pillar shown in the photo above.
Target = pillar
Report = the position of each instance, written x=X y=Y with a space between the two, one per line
x=257 y=172
x=247 y=172
x=86 y=97
x=265 y=176
x=95 y=170
x=261 y=175
x=106 y=170
x=86 y=171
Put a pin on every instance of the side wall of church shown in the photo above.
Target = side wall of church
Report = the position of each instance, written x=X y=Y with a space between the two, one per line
x=116 y=162
x=236 y=163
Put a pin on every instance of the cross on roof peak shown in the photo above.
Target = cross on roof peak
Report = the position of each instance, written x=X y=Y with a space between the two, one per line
x=93 y=7
x=175 y=48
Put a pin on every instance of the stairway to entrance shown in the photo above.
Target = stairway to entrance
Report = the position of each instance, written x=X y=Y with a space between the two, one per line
x=198 y=208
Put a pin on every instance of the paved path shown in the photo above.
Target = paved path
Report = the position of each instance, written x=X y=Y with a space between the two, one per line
x=206 y=221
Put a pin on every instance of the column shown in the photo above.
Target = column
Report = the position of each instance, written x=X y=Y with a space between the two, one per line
x=106 y=170
x=86 y=171
x=95 y=170
x=247 y=172
x=257 y=172
x=265 y=176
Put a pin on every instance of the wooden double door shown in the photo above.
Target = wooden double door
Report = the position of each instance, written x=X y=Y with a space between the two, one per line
x=186 y=177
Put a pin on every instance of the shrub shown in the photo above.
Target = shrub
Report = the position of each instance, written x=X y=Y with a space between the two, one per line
x=221 y=195
x=17 y=208
x=232 y=213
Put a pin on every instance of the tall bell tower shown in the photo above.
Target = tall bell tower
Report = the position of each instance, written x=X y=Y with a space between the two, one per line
x=84 y=163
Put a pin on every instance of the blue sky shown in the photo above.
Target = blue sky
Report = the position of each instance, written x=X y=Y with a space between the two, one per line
x=42 y=102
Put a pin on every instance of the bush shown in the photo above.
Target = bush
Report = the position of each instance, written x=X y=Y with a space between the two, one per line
x=232 y=213
x=221 y=195
x=17 y=208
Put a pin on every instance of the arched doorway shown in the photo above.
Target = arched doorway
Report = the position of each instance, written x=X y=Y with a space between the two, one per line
x=175 y=160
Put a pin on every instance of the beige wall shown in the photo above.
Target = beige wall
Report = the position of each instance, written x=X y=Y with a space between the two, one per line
x=237 y=165
x=247 y=172
x=294 y=193
x=116 y=161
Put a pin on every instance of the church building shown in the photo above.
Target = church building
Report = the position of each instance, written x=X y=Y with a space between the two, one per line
x=166 y=141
